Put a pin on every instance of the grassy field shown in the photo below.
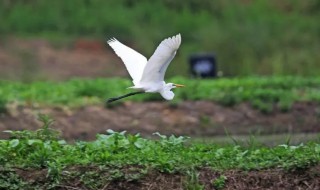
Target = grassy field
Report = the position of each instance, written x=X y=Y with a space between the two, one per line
x=262 y=37
x=117 y=156
x=261 y=92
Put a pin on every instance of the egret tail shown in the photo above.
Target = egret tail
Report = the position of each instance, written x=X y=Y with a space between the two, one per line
x=124 y=96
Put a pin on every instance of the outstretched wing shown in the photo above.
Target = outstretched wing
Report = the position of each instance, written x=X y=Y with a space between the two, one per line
x=134 y=61
x=160 y=60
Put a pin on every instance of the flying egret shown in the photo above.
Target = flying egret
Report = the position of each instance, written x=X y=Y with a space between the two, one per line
x=148 y=75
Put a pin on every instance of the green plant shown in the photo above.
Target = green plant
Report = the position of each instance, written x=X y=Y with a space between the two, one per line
x=300 y=162
x=192 y=182
x=54 y=170
x=219 y=182
x=45 y=133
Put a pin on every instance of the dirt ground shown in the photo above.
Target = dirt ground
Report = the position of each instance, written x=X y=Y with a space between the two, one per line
x=307 y=179
x=195 y=119
x=34 y=59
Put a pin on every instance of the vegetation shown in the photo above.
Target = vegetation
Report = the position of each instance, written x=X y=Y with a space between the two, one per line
x=114 y=152
x=262 y=92
x=262 y=37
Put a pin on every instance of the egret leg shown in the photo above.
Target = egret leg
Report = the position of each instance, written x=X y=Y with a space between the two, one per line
x=124 y=96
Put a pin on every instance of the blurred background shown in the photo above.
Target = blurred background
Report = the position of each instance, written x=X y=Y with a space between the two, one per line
x=42 y=40
x=61 y=39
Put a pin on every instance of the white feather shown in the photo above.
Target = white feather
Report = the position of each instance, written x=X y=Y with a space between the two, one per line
x=134 y=61
x=158 y=63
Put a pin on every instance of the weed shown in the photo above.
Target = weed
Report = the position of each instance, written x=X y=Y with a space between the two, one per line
x=54 y=170
x=192 y=182
x=45 y=133
x=172 y=140
x=219 y=182
x=300 y=162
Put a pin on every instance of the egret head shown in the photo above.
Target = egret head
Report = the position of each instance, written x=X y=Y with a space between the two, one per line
x=166 y=91
x=170 y=86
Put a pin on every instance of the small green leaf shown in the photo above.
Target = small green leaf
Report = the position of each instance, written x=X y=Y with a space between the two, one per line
x=14 y=143
x=159 y=135
x=110 y=131
x=62 y=142
x=140 y=143
x=34 y=141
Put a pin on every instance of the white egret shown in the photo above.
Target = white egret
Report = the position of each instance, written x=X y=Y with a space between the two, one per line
x=148 y=75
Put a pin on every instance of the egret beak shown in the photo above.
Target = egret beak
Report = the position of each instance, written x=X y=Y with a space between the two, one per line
x=178 y=85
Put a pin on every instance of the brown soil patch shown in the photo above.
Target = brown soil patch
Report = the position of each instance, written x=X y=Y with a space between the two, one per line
x=308 y=179
x=35 y=59
x=199 y=118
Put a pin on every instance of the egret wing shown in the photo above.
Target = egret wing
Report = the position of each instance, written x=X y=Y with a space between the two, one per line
x=134 y=61
x=158 y=63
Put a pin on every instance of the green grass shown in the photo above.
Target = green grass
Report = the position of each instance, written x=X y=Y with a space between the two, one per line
x=263 y=37
x=114 y=151
x=262 y=92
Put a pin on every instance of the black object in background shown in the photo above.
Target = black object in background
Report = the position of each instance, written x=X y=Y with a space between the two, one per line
x=203 y=65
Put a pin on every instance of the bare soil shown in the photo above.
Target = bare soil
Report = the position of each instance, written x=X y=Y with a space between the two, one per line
x=307 y=179
x=34 y=59
x=195 y=119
